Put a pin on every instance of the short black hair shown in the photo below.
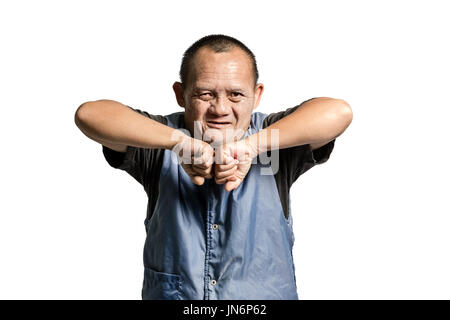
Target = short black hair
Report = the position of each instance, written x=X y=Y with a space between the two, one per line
x=218 y=43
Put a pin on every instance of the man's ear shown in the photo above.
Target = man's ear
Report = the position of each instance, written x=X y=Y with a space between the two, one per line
x=259 y=88
x=179 y=91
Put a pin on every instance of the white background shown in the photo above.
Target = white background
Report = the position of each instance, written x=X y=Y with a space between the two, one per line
x=371 y=223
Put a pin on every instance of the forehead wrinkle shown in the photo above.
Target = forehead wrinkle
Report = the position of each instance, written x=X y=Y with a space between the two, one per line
x=228 y=87
x=220 y=80
x=220 y=73
x=239 y=74
x=221 y=67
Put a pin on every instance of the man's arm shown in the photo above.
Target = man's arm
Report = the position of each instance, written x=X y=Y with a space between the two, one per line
x=116 y=126
x=317 y=122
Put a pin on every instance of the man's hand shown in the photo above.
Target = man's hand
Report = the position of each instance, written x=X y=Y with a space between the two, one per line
x=196 y=158
x=233 y=161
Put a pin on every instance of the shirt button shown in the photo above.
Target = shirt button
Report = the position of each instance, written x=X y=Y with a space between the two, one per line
x=213 y=282
x=215 y=226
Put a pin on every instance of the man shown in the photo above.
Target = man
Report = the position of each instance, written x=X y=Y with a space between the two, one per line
x=218 y=226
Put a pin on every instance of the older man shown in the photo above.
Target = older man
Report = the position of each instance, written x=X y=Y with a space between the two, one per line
x=218 y=226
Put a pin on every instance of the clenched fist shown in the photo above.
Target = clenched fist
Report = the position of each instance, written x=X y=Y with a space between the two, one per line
x=228 y=163
x=196 y=157
x=233 y=161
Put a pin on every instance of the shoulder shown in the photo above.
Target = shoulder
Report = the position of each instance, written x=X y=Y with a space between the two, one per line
x=175 y=120
x=257 y=121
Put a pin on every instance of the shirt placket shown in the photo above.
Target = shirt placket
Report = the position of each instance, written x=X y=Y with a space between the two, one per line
x=211 y=244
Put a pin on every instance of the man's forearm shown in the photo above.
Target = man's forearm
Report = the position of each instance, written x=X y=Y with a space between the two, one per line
x=113 y=122
x=317 y=120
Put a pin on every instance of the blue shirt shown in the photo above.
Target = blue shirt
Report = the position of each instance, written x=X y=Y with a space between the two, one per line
x=206 y=243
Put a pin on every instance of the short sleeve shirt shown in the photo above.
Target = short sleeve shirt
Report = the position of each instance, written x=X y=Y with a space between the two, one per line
x=145 y=164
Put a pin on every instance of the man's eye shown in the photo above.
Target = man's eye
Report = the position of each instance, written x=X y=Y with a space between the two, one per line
x=236 y=94
x=206 y=95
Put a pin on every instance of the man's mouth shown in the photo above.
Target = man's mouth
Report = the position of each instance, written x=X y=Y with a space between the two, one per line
x=218 y=124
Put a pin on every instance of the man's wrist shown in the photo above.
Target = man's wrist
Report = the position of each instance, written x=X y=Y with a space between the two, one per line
x=177 y=138
x=257 y=143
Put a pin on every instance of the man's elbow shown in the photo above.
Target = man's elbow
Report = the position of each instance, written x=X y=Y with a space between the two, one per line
x=83 y=114
x=80 y=114
x=338 y=108
x=340 y=111
x=84 y=111
x=345 y=111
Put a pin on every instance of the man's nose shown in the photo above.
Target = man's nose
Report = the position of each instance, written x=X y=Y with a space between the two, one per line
x=220 y=106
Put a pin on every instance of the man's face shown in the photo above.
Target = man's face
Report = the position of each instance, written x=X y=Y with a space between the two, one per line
x=220 y=94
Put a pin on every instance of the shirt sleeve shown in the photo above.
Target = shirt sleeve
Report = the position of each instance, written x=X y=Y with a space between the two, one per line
x=141 y=163
x=295 y=161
